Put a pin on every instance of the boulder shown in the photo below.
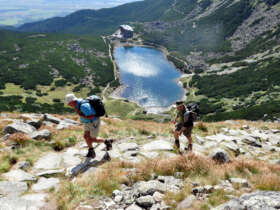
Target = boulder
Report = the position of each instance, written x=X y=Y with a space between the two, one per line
x=19 y=175
x=42 y=134
x=50 y=118
x=19 y=127
x=158 y=145
x=258 y=200
x=51 y=172
x=220 y=155
x=251 y=140
x=34 y=119
x=45 y=184
x=145 y=201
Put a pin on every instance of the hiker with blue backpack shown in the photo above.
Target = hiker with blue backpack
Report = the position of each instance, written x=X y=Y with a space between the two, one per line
x=184 y=122
x=90 y=110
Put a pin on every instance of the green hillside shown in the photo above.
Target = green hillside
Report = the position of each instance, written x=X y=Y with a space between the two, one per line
x=38 y=69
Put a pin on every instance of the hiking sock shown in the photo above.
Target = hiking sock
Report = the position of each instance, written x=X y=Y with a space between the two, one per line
x=91 y=153
x=190 y=147
x=108 y=143
x=177 y=143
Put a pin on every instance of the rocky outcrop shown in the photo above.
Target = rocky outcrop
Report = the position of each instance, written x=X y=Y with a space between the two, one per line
x=259 y=200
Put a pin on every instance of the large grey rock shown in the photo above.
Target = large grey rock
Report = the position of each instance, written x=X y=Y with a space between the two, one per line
x=145 y=201
x=33 y=119
x=186 y=203
x=159 y=145
x=259 y=200
x=251 y=140
x=232 y=146
x=71 y=122
x=51 y=118
x=19 y=175
x=220 y=155
x=48 y=162
x=45 y=184
x=19 y=127
x=12 y=189
x=123 y=147
x=42 y=134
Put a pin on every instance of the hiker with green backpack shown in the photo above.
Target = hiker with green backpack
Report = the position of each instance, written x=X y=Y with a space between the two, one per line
x=90 y=110
x=184 y=122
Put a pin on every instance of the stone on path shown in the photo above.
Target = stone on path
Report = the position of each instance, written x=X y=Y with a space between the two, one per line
x=158 y=145
x=12 y=189
x=48 y=162
x=69 y=158
x=220 y=155
x=19 y=127
x=45 y=184
x=38 y=200
x=19 y=175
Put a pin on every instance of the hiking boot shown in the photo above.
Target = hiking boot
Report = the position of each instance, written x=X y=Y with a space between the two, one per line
x=177 y=144
x=91 y=153
x=107 y=157
x=189 y=148
x=108 y=143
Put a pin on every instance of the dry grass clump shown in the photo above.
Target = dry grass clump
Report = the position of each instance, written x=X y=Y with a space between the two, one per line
x=267 y=182
x=19 y=138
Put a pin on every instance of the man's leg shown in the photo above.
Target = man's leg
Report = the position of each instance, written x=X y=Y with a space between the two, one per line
x=176 y=137
x=188 y=134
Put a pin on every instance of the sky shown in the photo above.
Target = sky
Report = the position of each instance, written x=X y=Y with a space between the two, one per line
x=17 y=12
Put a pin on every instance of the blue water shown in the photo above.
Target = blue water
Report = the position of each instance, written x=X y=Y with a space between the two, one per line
x=150 y=80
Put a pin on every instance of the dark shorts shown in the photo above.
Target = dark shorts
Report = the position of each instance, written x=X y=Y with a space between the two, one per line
x=187 y=132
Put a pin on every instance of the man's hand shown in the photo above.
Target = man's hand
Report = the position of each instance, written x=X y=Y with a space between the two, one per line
x=183 y=129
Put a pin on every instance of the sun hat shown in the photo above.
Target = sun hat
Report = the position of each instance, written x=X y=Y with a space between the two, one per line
x=70 y=97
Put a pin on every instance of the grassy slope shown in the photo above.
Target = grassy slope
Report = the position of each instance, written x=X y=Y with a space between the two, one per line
x=261 y=175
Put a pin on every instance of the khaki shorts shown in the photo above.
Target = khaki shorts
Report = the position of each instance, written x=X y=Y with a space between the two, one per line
x=187 y=132
x=93 y=128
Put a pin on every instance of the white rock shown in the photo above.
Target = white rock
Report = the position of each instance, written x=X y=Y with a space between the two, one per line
x=45 y=184
x=19 y=175
x=49 y=162
x=159 y=145
x=19 y=127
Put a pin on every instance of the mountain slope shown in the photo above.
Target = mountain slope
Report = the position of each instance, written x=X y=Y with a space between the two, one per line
x=103 y=20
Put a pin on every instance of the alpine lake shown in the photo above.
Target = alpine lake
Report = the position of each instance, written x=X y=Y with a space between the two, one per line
x=147 y=77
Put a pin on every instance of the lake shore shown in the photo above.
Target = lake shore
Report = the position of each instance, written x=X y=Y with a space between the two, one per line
x=116 y=94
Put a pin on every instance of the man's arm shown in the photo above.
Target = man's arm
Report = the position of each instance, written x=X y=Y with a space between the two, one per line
x=89 y=117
